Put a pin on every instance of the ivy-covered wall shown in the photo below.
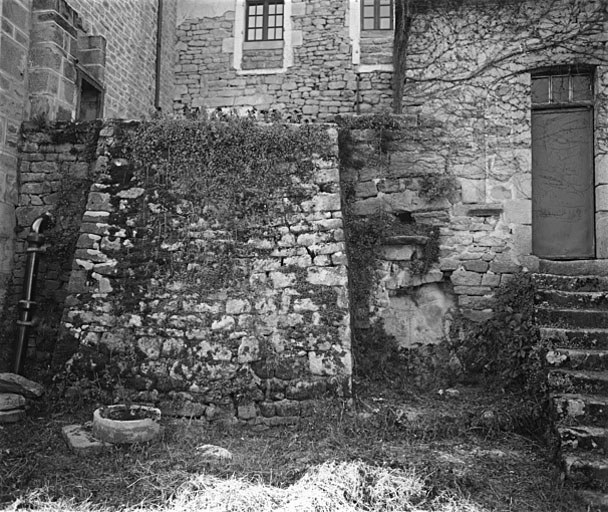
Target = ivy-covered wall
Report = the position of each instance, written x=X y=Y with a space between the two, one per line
x=210 y=273
x=459 y=160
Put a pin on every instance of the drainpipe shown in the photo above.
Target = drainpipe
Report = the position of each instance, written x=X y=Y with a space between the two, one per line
x=35 y=241
x=159 y=45
x=358 y=94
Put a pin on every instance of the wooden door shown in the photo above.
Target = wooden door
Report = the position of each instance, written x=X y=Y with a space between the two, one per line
x=563 y=205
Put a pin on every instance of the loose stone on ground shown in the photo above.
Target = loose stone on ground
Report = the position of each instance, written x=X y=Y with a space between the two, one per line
x=80 y=440
x=214 y=454
x=13 y=383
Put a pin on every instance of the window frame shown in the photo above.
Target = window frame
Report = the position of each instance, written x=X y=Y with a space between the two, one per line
x=83 y=76
x=560 y=72
x=377 y=18
x=265 y=17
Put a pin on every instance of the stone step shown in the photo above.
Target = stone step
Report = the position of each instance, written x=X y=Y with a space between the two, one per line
x=575 y=338
x=572 y=300
x=594 y=267
x=589 y=283
x=577 y=381
x=578 y=359
x=578 y=409
x=584 y=438
x=569 y=318
x=586 y=470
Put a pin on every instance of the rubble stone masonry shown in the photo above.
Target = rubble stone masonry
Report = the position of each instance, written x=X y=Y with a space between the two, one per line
x=318 y=81
x=258 y=351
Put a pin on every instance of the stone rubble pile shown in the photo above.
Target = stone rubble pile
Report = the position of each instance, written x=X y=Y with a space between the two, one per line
x=15 y=390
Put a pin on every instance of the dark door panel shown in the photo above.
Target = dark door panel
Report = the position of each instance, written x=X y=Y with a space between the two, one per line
x=563 y=202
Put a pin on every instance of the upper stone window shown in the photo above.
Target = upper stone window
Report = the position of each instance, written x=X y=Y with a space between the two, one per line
x=264 y=20
x=377 y=14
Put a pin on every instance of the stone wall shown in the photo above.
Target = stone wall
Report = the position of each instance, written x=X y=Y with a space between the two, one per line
x=485 y=102
x=45 y=46
x=55 y=175
x=14 y=43
x=468 y=118
x=417 y=293
x=258 y=349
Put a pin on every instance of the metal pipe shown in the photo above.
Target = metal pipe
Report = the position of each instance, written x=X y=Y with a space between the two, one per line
x=35 y=241
x=159 y=47
x=358 y=93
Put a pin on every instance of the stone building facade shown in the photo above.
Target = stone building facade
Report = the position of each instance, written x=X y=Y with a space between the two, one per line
x=14 y=44
x=73 y=60
x=506 y=99
x=319 y=67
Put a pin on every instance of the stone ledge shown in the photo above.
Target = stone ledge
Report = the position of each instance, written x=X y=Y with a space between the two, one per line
x=406 y=240
x=574 y=267
x=479 y=209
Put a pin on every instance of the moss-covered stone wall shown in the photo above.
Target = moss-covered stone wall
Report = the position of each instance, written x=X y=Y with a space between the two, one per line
x=230 y=300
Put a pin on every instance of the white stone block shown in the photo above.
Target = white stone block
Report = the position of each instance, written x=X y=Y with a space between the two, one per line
x=473 y=191
x=332 y=276
x=518 y=211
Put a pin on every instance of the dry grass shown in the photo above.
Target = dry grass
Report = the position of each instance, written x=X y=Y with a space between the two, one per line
x=422 y=454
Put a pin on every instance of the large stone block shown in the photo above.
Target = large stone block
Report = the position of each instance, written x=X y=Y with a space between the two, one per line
x=522 y=240
x=370 y=206
x=323 y=202
x=601 y=230
x=473 y=191
x=327 y=276
x=518 y=211
x=474 y=170
x=12 y=416
x=601 y=197
x=404 y=164
x=13 y=383
x=9 y=401
x=601 y=171
x=463 y=277
x=99 y=201
x=13 y=59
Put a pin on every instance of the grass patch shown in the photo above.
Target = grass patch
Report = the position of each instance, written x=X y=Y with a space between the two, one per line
x=381 y=453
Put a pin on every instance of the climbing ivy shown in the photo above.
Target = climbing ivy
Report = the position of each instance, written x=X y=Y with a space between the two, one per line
x=214 y=189
x=506 y=349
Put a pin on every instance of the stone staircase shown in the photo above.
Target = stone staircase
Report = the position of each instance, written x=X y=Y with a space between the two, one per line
x=572 y=314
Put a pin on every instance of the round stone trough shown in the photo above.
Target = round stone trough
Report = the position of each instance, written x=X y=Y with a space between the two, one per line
x=126 y=423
